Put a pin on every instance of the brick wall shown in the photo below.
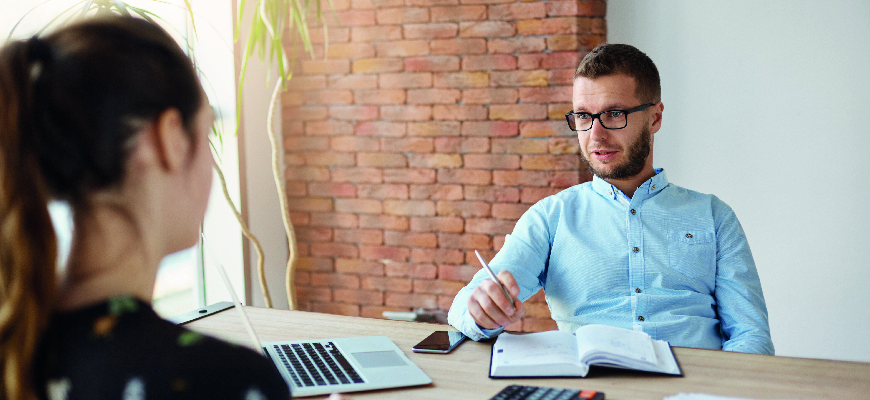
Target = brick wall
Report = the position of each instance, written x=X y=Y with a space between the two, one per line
x=425 y=133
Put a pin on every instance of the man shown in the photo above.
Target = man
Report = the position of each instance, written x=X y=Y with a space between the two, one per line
x=627 y=249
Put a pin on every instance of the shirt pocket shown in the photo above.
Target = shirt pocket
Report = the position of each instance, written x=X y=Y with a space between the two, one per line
x=692 y=252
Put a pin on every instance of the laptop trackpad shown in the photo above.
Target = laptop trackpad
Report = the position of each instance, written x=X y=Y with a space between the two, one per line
x=375 y=359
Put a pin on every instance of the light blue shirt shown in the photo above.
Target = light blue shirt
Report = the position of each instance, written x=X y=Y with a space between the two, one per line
x=671 y=262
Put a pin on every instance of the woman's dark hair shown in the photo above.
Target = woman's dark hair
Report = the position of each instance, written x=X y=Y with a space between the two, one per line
x=71 y=104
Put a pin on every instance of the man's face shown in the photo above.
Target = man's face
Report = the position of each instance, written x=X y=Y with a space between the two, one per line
x=614 y=153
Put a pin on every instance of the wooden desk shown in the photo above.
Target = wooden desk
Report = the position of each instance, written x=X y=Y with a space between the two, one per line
x=462 y=374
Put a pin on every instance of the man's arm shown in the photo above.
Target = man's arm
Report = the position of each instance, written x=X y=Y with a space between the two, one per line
x=739 y=299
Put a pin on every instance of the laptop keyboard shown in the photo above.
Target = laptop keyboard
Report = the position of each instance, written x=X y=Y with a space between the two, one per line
x=317 y=364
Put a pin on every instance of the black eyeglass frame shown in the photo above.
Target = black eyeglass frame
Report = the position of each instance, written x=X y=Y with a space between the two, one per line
x=594 y=116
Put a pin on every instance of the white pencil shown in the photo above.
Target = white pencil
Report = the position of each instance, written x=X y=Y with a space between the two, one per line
x=497 y=282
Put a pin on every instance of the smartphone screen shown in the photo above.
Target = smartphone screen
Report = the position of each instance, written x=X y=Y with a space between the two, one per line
x=439 y=342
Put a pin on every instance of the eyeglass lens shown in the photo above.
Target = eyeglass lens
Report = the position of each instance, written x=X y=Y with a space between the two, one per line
x=609 y=120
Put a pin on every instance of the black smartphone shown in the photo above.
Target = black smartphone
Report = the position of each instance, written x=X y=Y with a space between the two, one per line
x=441 y=342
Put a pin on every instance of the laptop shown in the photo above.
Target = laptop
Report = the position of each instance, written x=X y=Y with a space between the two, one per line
x=339 y=365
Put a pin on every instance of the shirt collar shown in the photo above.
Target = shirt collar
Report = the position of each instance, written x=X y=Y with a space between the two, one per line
x=651 y=186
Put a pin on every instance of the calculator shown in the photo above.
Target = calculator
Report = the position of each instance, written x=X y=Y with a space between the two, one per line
x=520 y=392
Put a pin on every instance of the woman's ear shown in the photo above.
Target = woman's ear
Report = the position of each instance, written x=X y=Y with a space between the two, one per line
x=171 y=140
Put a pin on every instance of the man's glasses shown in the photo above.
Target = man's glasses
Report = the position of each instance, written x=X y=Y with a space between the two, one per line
x=610 y=119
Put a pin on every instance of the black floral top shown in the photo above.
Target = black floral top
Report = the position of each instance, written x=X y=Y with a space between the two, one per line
x=121 y=350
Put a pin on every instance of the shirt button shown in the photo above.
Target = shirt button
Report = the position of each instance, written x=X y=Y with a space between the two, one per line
x=640 y=318
x=653 y=187
x=633 y=211
x=637 y=290
x=689 y=235
x=635 y=249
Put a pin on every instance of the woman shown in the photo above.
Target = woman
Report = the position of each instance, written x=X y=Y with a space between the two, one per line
x=109 y=116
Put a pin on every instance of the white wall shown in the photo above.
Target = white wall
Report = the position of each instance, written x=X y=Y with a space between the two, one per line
x=767 y=105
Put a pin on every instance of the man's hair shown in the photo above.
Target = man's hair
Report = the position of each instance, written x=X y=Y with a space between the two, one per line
x=610 y=59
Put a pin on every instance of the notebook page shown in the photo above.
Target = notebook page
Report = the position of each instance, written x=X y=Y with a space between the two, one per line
x=621 y=343
x=551 y=347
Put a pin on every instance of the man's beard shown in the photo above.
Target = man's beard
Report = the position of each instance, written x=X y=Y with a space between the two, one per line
x=638 y=152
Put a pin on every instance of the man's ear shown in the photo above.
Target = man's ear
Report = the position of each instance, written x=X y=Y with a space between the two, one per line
x=658 y=110
x=171 y=140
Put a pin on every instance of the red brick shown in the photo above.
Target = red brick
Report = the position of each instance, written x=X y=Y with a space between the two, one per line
x=350 y=50
x=461 y=79
x=313 y=234
x=378 y=311
x=435 y=161
x=375 y=33
x=378 y=4
x=336 y=5
x=296 y=188
x=360 y=175
x=464 y=241
x=410 y=239
x=431 y=3
x=334 y=250
x=462 y=273
x=353 y=113
x=336 y=35
x=489 y=226
x=359 y=206
x=390 y=160
x=314 y=264
x=361 y=236
x=464 y=209
x=462 y=145
x=303 y=82
x=351 y=310
x=564 y=179
x=307 y=173
x=553 y=26
x=433 y=128
x=545 y=128
x=383 y=191
x=430 y=30
x=557 y=111
x=355 y=297
x=331 y=189
x=294 y=159
x=561 y=76
x=590 y=8
x=421 y=271
x=465 y=176
x=460 y=13
x=491 y=161
x=489 y=62
x=309 y=204
x=436 y=192
x=302 y=278
x=304 y=113
x=517 y=112
x=432 y=63
x=492 y=194
x=599 y=27
x=409 y=208
x=486 y=29
x=458 y=46
x=402 y=48
x=406 y=113
x=409 y=175
x=380 y=128
x=442 y=287
x=394 y=222
x=507 y=211
x=329 y=159
x=335 y=220
x=519 y=146
x=533 y=195
x=517 y=11
x=459 y=112
x=434 y=96
x=539 y=325
x=357 y=266
x=517 y=45
x=379 y=96
x=437 y=224
x=413 y=300
x=296 y=99
x=574 y=42
x=291 y=127
x=387 y=284
x=402 y=15
x=304 y=293
x=409 y=145
x=354 y=143
x=551 y=162
x=328 y=128
x=352 y=81
x=549 y=60
x=384 y=253
x=486 y=1
x=335 y=280
x=546 y=94
x=406 y=80
x=563 y=145
x=490 y=128
x=312 y=67
x=520 y=178
x=375 y=65
x=445 y=256
x=519 y=78
x=489 y=96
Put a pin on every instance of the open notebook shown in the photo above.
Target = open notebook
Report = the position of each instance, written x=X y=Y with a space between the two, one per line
x=340 y=365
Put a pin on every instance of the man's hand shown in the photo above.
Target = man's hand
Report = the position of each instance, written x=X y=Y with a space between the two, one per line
x=488 y=306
